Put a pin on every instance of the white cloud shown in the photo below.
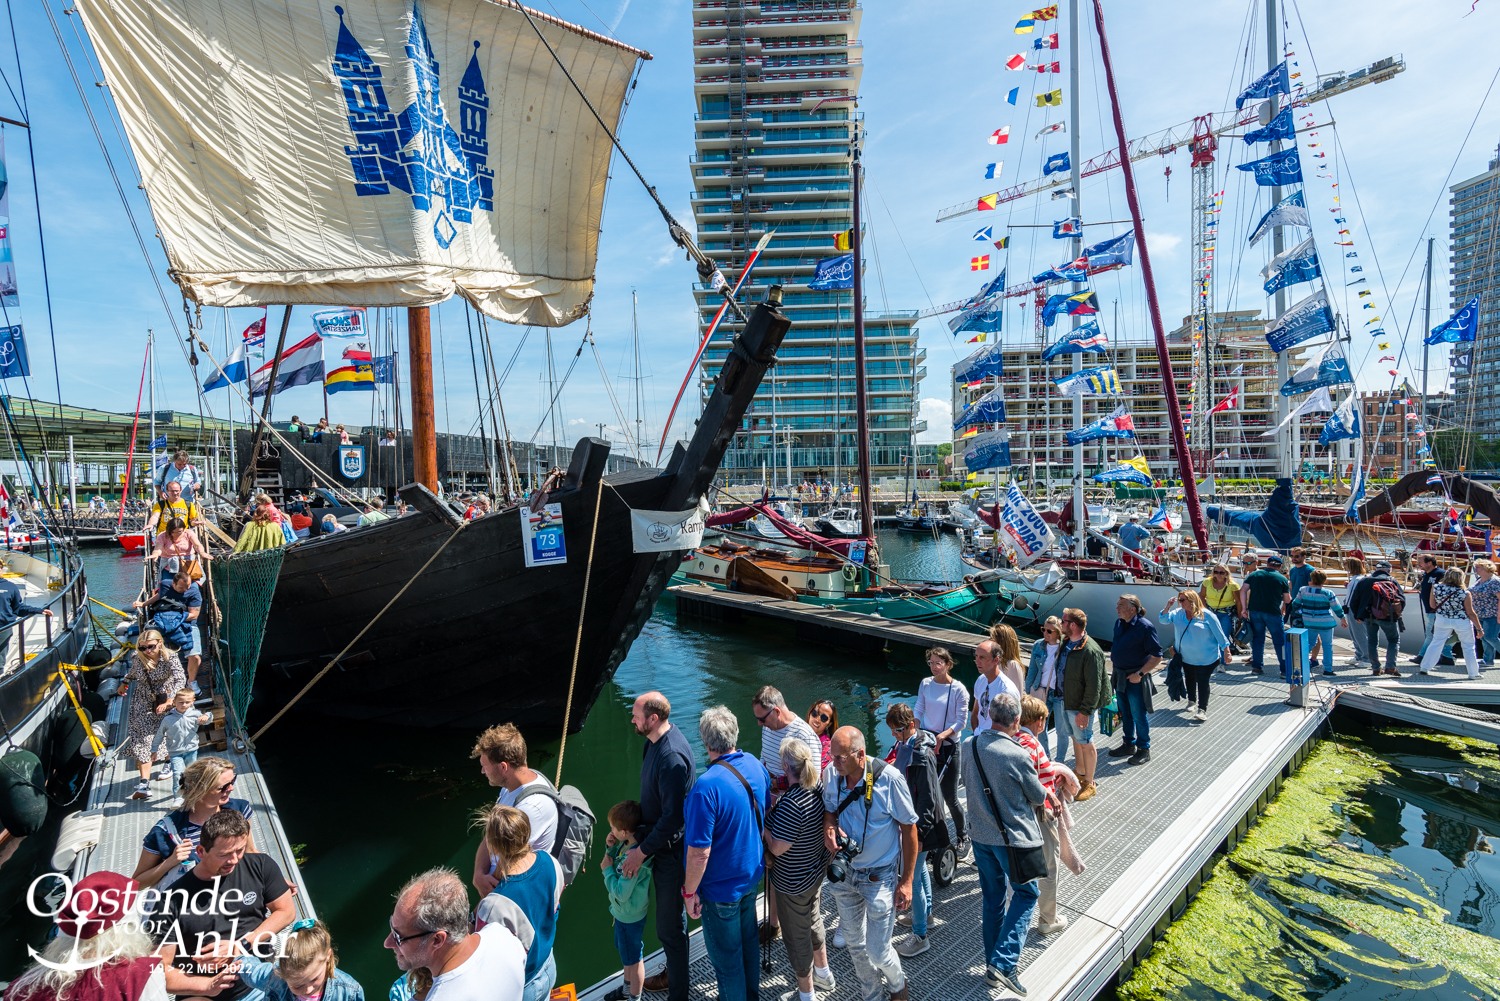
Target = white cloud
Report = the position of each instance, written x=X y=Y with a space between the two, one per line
x=1162 y=243
x=939 y=417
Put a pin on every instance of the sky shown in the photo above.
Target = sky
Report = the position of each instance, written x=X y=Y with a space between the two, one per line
x=934 y=87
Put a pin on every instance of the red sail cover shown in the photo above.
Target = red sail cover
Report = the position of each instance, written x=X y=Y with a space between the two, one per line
x=734 y=517
x=802 y=537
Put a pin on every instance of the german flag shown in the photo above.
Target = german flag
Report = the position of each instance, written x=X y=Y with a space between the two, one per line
x=988 y=202
x=844 y=240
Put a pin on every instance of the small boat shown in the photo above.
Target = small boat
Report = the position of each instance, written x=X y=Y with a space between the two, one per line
x=839 y=523
x=131 y=542
x=918 y=521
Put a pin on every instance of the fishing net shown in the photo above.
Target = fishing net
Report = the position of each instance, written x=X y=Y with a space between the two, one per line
x=243 y=585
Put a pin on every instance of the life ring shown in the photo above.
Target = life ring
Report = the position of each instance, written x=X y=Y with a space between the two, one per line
x=851 y=572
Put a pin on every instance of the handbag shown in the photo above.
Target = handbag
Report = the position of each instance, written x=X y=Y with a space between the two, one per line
x=1026 y=864
x=194 y=569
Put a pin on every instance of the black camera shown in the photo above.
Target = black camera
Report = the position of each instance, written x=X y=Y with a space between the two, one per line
x=843 y=857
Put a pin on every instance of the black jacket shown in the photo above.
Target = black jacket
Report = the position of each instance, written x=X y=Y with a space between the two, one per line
x=1364 y=593
x=914 y=757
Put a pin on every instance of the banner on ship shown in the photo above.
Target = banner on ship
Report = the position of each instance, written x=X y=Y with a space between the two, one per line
x=1302 y=322
x=665 y=531
x=370 y=152
x=542 y=538
x=1029 y=533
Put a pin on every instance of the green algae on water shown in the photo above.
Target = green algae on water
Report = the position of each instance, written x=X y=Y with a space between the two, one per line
x=1300 y=907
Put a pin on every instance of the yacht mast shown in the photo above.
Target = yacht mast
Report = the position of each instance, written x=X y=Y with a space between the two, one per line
x=861 y=404
x=1288 y=436
x=1075 y=159
x=423 y=406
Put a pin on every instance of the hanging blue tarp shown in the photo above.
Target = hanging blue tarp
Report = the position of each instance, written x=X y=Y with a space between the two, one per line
x=1279 y=526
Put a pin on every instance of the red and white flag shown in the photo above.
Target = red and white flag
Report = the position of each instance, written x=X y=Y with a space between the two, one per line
x=1230 y=402
x=1000 y=136
x=1015 y=62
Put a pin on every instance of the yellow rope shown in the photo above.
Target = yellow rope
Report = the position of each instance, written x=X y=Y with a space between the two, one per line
x=360 y=635
x=83 y=718
x=112 y=608
x=583 y=604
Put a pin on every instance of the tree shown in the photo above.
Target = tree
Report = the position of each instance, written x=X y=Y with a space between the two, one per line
x=944 y=449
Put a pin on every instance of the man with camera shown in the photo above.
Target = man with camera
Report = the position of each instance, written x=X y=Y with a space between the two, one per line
x=870 y=828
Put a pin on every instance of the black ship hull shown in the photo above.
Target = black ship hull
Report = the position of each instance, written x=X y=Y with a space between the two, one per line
x=478 y=637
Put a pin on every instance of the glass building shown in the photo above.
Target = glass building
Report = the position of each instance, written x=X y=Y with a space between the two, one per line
x=1473 y=228
x=775 y=84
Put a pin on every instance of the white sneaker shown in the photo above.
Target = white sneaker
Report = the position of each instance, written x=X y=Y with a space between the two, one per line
x=794 y=995
x=838 y=941
x=912 y=945
x=824 y=983
x=1052 y=927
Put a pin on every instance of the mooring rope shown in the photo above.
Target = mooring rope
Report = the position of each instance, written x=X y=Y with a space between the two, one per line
x=583 y=604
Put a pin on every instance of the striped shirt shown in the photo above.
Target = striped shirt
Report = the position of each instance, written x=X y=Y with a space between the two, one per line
x=770 y=743
x=797 y=819
x=1319 y=606
x=1044 y=769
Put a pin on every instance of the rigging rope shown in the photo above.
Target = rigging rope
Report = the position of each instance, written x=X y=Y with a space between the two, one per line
x=583 y=604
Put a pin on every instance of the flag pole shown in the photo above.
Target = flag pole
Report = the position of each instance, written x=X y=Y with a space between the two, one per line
x=248 y=476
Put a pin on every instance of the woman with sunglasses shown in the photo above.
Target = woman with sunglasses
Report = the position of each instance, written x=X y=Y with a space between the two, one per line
x=1044 y=679
x=155 y=675
x=170 y=848
x=1221 y=596
x=824 y=719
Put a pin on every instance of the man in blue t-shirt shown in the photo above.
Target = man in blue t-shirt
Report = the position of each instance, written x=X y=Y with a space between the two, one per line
x=174 y=610
x=1132 y=534
x=724 y=812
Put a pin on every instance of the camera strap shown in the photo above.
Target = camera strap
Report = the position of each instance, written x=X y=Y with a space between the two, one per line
x=754 y=802
x=868 y=788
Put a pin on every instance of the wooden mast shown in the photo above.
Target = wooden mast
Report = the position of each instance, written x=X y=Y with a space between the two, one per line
x=423 y=409
x=1163 y=355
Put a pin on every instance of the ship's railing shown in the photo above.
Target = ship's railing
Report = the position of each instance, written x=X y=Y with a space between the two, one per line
x=60 y=572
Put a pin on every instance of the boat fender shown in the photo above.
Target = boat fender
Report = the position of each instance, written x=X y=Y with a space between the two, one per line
x=1020 y=601
x=109 y=688
x=23 y=793
x=96 y=705
x=97 y=656
x=851 y=572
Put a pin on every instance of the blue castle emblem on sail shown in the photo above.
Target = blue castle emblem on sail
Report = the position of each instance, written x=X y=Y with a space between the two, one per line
x=418 y=151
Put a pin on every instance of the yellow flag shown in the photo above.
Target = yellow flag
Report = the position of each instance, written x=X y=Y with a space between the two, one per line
x=844 y=240
x=1052 y=99
x=1139 y=462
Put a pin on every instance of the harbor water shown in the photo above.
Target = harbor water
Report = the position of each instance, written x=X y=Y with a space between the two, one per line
x=370 y=806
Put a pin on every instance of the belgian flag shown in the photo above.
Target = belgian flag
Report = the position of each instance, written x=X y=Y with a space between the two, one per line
x=844 y=240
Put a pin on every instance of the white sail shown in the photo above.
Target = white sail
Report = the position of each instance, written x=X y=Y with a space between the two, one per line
x=373 y=152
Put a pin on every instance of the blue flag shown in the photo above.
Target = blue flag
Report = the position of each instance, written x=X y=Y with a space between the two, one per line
x=834 y=273
x=1089 y=382
x=1344 y=423
x=1299 y=264
x=1013 y=96
x=988 y=409
x=1290 y=211
x=1304 y=321
x=1023 y=525
x=13 y=361
x=988 y=451
x=987 y=361
x=1057 y=163
x=385 y=370
x=1330 y=368
x=1356 y=494
x=984 y=234
x=235 y=370
x=1275 y=80
x=1116 y=250
x=1064 y=228
x=1123 y=474
x=1461 y=327
x=1117 y=424
x=989 y=171
x=990 y=288
x=985 y=318
x=1278 y=168
x=1070 y=272
x=160 y=441
x=1280 y=127
x=1083 y=339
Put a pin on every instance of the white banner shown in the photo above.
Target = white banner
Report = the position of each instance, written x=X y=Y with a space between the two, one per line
x=367 y=152
x=666 y=531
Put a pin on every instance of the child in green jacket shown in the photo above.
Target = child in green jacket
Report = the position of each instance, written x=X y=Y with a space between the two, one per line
x=627 y=897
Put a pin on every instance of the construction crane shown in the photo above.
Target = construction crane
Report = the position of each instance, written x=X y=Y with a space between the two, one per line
x=1169 y=141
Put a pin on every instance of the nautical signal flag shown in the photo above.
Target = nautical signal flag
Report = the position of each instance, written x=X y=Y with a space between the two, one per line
x=1046 y=42
x=1002 y=243
x=1063 y=228
x=1015 y=62
x=1229 y=402
x=1054 y=127
x=1025 y=26
x=987 y=203
x=1048 y=13
x=1051 y=99
x=1052 y=67
x=1000 y=136
x=1057 y=163
x=980 y=263
x=976 y=339
x=844 y=240
x=1084 y=303
x=1013 y=96
x=992 y=170
x=984 y=235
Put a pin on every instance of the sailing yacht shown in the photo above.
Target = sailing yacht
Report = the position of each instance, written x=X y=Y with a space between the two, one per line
x=319 y=187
